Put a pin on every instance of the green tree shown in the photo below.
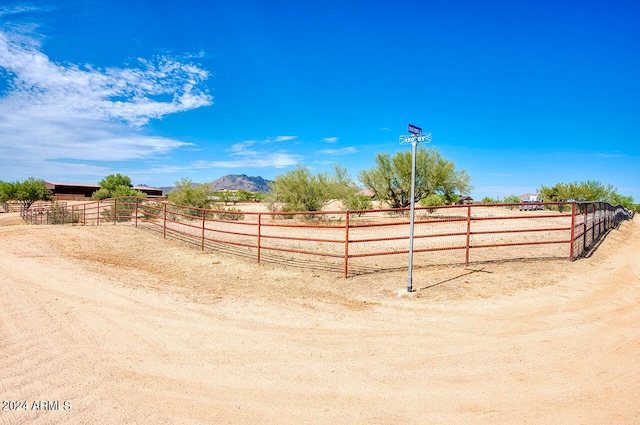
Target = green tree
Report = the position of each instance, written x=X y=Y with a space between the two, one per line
x=299 y=190
x=358 y=202
x=578 y=191
x=489 y=200
x=511 y=199
x=589 y=190
x=116 y=185
x=26 y=192
x=390 y=177
x=188 y=193
x=433 y=200
x=7 y=191
x=245 y=195
x=625 y=201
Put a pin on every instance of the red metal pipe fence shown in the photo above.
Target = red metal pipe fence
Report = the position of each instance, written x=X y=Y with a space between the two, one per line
x=362 y=241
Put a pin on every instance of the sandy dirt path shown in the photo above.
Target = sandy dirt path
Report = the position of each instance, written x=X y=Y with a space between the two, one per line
x=121 y=326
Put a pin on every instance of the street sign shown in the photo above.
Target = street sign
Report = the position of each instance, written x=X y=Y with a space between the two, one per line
x=414 y=130
x=405 y=140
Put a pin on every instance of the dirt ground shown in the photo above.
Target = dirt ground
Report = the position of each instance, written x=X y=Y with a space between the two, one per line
x=112 y=324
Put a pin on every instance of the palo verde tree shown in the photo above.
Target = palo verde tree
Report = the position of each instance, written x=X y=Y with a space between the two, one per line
x=300 y=190
x=589 y=190
x=190 y=194
x=26 y=192
x=390 y=177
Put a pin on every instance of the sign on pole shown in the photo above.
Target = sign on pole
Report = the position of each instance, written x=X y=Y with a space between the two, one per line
x=414 y=129
x=414 y=140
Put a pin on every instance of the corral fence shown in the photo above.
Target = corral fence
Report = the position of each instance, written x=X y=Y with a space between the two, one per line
x=363 y=241
x=11 y=206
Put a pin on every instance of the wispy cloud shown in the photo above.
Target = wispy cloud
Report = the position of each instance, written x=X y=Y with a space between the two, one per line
x=343 y=151
x=285 y=138
x=609 y=155
x=23 y=8
x=52 y=112
x=268 y=160
x=245 y=155
x=330 y=139
x=385 y=129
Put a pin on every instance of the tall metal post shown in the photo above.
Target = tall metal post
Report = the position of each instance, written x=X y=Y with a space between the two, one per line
x=414 y=140
x=414 y=144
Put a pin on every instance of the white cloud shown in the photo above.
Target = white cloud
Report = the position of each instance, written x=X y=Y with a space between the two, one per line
x=330 y=139
x=243 y=155
x=53 y=112
x=342 y=151
x=385 y=129
x=267 y=160
x=609 y=155
x=285 y=138
x=21 y=9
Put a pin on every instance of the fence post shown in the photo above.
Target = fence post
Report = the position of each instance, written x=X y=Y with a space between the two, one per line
x=115 y=210
x=84 y=214
x=202 y=245
x=584 y=227
x=346 y=244
x=259 y=234
x=164 y=225
x=466 y=261
x=573 y=227
x=137 y=199
x=98 y=217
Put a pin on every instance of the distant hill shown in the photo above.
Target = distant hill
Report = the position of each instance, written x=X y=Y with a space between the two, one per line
x=241 y=181
x=235 y=182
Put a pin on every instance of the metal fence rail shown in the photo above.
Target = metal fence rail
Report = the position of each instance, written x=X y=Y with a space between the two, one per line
x=364 y=241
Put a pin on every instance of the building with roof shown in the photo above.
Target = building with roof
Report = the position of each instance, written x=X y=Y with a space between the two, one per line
x=73 y=191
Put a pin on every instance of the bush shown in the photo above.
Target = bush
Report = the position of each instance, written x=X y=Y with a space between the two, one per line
x=299 y=190
x=231 y=214
x=151 y=209
x=511 y=199
x=191 y=194
x=60 y=214
x=359 y=202
x=121 y=210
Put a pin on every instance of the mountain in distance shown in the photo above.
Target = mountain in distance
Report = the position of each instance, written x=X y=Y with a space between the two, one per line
x=242 y=181
x=234 y=182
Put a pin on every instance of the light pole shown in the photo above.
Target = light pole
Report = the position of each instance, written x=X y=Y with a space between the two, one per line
x=416 y=138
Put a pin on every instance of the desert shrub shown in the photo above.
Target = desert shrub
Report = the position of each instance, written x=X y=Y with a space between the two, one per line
x=191 y=194
x=150 y=209
x=358 y=202
x=300 y=190
x=119 y=209
x=61 y=214
x=511 y=199
x=490 y=200
x=231 y=214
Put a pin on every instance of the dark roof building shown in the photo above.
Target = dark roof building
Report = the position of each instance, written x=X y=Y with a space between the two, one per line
x=70 y=191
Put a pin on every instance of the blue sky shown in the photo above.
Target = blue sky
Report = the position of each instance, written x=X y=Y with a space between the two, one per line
x=519 y=94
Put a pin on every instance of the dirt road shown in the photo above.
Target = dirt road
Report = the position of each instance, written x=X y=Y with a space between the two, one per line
x=115 y=325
